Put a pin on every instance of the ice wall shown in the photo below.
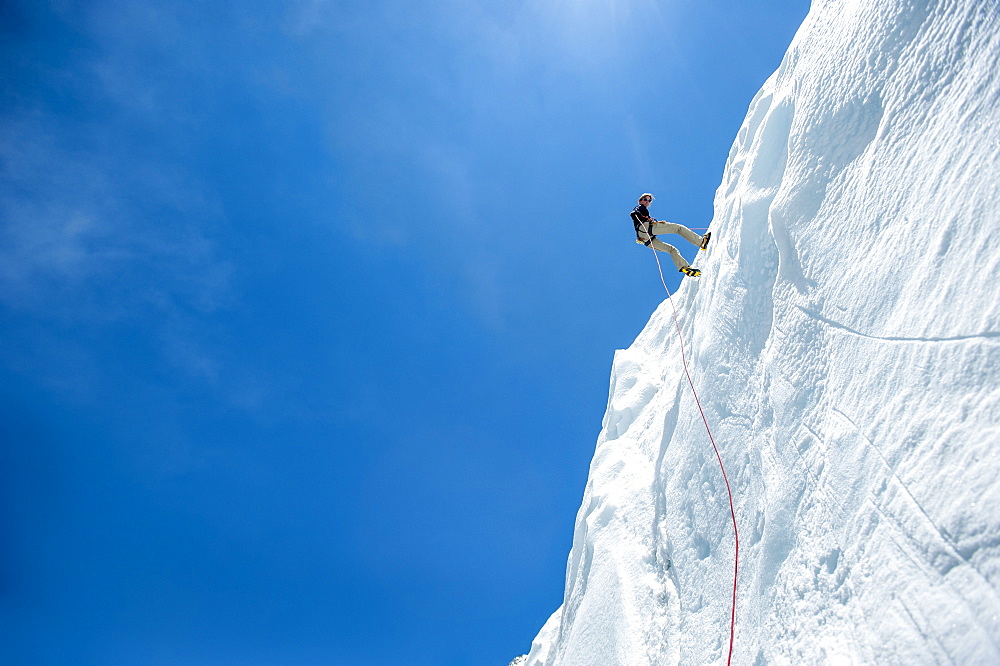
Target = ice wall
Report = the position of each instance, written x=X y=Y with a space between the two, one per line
x=845 y=342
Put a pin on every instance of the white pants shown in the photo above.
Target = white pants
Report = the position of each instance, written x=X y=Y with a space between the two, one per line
x=671 y=228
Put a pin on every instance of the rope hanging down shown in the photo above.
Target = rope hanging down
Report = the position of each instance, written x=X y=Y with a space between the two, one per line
x=732 y=511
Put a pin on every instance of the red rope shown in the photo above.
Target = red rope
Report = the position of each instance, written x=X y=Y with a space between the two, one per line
x=732 y=511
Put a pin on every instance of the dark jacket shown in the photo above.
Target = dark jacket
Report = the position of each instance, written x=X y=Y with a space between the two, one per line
x=643 y=223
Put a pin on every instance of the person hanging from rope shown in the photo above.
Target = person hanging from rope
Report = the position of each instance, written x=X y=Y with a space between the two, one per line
x=646 y=229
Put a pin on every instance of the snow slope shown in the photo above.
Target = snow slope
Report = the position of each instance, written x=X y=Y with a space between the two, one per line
x=845 y=343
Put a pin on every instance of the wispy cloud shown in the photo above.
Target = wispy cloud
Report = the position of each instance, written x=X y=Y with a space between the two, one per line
x=74 y=223
x=97 y=228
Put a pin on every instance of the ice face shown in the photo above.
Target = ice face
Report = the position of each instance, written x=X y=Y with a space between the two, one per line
x=845 y=343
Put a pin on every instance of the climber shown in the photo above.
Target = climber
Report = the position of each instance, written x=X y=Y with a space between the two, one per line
x=646 y=229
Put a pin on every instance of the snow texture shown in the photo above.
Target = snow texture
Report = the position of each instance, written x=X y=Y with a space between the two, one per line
x=845 y=344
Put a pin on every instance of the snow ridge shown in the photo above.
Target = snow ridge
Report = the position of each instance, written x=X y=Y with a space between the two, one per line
x=845 y=342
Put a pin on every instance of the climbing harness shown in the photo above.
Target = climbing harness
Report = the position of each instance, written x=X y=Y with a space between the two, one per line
x=732 y=511
x=643 y=227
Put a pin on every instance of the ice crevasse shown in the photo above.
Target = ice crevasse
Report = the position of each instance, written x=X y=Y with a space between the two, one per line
x=845 y=344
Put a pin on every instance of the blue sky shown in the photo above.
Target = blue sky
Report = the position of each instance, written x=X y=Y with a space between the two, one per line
x=307 y=309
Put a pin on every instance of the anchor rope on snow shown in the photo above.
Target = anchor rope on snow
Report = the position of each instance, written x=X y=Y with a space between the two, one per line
x=725 y=477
